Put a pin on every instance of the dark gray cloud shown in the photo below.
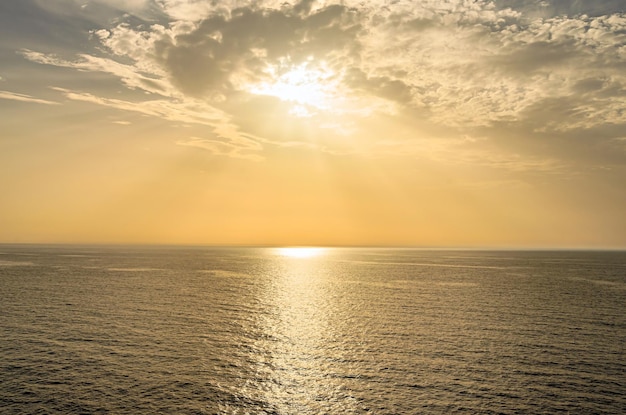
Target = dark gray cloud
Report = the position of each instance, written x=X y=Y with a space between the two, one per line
x=561 y=129
x=549 y=8
x=61 y=25
x=528 y=58
x=381 y=86
x=24 y=24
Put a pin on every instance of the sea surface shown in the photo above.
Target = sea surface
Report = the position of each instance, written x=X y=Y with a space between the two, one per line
x=197 y=330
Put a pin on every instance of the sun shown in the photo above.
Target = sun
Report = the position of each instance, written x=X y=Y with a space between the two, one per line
x=309 y=88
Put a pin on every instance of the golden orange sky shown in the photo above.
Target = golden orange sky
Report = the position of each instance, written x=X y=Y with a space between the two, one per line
x=419 y=123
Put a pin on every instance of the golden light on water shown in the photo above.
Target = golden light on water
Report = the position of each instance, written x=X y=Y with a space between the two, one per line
x=300 y=252
x=296 y=333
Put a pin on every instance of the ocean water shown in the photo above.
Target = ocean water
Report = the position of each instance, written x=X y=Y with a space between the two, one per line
x=173 y=330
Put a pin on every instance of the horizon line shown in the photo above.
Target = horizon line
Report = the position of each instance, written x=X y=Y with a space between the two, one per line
x=328 y=246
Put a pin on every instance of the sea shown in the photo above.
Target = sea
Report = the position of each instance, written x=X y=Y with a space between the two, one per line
x=206 y=330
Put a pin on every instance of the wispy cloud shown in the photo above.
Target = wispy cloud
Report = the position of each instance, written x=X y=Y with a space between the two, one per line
x=235 y=148
x=133 y=76
x=184 y=112
x=125 y=5
x=24 y=98
x=227 y=134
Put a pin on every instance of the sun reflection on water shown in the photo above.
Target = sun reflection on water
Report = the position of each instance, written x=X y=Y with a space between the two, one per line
x=300 y=252
x=298 y=373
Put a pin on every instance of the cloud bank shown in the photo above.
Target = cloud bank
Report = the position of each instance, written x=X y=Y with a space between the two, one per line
x=496 y=72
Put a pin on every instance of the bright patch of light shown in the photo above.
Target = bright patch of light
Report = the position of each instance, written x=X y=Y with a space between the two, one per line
x=300 y=252
x=300 y=111
x=310 y=89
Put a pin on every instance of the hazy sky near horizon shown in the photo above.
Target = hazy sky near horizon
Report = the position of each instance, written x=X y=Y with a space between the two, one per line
x=429 y=123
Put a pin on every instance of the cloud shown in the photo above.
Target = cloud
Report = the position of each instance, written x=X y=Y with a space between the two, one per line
x=235 y=149
x=223 y=53
x=186 y=9
x=381 y=86
x=188 y=112
x=125 y=5
x=24 y=98
x=475 y=67
x=456 y=66
x=131 y=75
x=533 y=9
x=183 y=112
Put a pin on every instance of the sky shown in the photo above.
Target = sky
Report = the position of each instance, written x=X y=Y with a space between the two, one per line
x=451 y=123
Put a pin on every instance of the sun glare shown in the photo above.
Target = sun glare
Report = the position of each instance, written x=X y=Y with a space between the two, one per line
x=309 y=89
x=300 y=252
